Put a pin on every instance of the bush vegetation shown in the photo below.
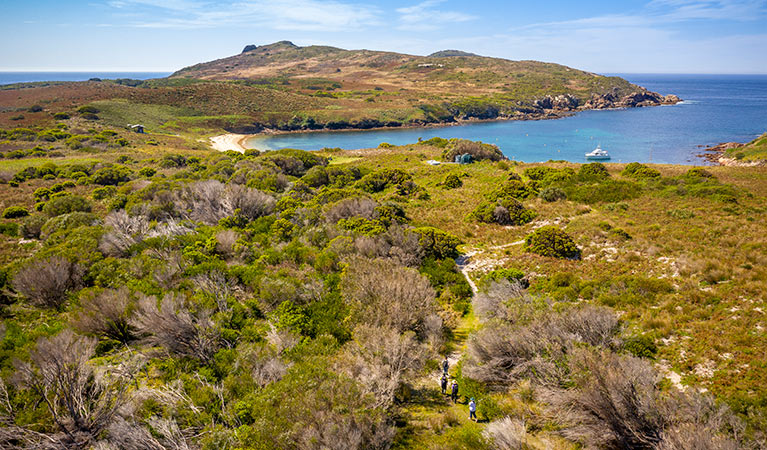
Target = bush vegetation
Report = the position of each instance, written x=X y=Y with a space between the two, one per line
x=283 y=299
x=552 y=241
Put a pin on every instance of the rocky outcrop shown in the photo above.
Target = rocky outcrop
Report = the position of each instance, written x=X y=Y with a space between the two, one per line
x=564 y=102
x=633 y=100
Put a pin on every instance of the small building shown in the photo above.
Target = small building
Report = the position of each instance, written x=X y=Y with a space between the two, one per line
x=136 y=128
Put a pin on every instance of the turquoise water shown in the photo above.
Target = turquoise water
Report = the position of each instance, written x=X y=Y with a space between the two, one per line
x=716 y=108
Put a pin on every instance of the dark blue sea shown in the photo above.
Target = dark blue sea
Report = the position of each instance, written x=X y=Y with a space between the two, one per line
x=27 y=77
x=716 y=108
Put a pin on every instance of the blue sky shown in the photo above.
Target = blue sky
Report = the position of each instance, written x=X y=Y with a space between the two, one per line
x=653 y=36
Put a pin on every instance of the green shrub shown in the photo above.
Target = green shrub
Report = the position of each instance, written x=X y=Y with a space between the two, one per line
x=512 y=189
x=42 y=194
x=538 y=173
x=316 y=176
x=31 y=226
x=699 y=174
x=111 y=176
x=68 y=222
x=173 y=161
x=9 y=229
x=435 y=142
x=505 y=211
x=642 y=346
x=637 y=170
x=14 y=212
x=449 y=283
x=552 y=194
x=452 y=181
x=385 y=145
x=282 y=229
x=61 y=116
x=103 y=192
x=552 y=241
x=379 y=180
x=118 y=202
x=593 y=172
x=620 y=233
x=362 y=225
x=437 y=243
x=88 y=109
x=390 y=213
x=67 y=204
x=510 y=275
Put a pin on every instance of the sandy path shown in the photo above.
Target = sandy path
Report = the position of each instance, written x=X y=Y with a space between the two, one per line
x=229 y=141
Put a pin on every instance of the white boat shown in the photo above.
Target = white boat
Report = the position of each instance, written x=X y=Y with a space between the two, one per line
x=597 y=154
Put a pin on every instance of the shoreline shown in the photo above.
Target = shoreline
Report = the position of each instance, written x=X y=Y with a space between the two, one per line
x=236 y=141
x=715 y=154
x=229 y=141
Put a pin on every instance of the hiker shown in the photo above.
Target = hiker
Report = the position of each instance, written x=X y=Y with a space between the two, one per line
x=443 y=384
x=454 y=391
x=445 y=365
x=472 y=410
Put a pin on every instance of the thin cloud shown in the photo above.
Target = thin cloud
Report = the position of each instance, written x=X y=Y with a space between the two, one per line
x=658 y=13
x=739 y=10
x=424 y=16
x=307 y=15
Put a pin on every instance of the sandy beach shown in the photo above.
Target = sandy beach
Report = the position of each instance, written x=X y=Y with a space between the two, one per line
x=229 y=141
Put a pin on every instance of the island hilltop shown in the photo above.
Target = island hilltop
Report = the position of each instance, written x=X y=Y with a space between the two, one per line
x=285 y=87
x=158 y=294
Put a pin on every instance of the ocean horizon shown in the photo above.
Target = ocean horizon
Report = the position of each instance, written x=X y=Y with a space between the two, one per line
x=13 y=77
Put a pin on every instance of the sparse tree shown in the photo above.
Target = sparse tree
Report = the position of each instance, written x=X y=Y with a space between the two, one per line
x=263 y=362
x=81 y=402
x=210 y=201
x=125 y=232
x=380 y=359
x=614 y=402
x=387 y=295
x=226 y=241
x=493 y=301
x=175 y=327
x=501 y=353
x=126 y=435
x=218 y=286
x=352 y=207
x=106 y=314
x=399 y=243
x=47 y=282
x=173 y=264
x=506 y=434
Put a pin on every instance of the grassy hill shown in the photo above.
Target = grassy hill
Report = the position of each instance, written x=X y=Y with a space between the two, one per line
x=285 y=87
